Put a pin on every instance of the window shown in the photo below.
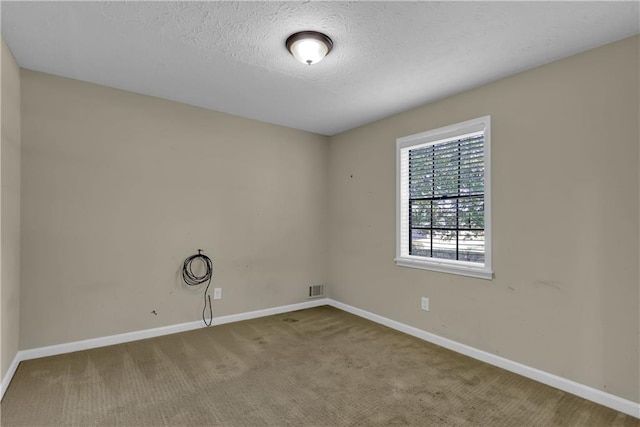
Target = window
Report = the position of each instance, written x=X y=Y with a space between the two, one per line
x=444 y=199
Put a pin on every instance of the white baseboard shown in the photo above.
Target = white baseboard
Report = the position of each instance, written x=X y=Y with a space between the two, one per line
x=9 y=375
x=70 y=347
x=270 y=311
x=598 y=396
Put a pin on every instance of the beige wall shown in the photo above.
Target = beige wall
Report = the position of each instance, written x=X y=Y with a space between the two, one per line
x=119 y=188
x=9 y=208
x=565 y=222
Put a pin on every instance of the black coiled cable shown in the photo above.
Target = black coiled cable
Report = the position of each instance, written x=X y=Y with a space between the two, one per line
x=192 y=279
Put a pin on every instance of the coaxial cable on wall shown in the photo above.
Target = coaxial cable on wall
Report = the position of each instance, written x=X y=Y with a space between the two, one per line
x=193 y=279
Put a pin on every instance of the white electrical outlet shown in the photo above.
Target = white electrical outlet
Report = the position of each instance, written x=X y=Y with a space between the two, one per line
x=425 y=304
x=217 y=293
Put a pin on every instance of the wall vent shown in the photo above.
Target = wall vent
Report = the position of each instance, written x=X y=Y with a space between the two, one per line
x=316 y=291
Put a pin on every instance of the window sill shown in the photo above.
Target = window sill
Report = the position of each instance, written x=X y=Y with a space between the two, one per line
x=463 y=270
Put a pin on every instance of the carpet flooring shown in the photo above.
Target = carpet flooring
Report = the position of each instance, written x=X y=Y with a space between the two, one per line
x=316 y=367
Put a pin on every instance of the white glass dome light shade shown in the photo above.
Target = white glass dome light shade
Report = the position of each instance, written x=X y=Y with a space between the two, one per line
x=309 y=47
x=308 y=51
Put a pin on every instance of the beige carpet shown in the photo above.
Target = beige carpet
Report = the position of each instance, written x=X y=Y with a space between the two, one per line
x=313 y=367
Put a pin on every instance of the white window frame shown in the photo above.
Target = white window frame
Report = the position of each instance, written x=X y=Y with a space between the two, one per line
x=403 y=259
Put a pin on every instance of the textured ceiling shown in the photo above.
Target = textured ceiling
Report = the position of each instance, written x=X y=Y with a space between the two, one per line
x=230 y=56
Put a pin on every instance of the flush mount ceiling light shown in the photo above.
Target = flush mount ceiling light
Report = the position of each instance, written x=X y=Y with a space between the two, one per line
x=309 y=47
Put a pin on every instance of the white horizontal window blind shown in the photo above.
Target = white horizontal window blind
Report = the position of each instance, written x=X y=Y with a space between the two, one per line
x=446 y=200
